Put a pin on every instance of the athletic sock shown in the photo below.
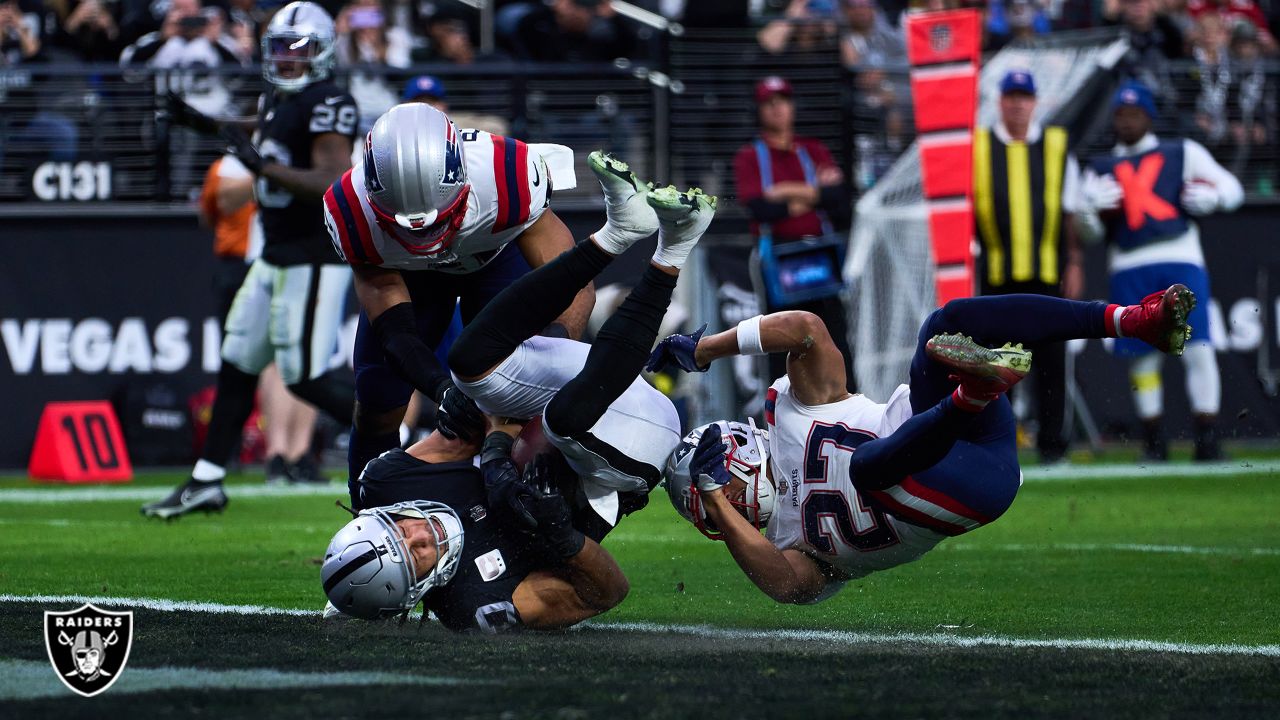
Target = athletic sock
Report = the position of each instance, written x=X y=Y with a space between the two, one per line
x=231 y=408
x=206 y=472
x=1111 y=319
x=522 y=310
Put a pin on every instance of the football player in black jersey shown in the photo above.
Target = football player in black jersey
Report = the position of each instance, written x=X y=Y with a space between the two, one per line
x=289 y=308
x=426 y=532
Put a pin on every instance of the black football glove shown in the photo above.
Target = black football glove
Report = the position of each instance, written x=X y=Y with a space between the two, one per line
x=176 y=110
x=239 y=144
x=549 y=510
x=504 y=489
x=458 y=416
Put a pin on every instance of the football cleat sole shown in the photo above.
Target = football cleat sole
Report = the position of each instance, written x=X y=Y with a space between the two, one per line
x=673 y=205
x=1180 y=301
x=999 y=367
x=607 y=168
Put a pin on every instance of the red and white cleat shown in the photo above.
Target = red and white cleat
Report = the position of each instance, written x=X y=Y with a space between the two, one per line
x=1160 y=320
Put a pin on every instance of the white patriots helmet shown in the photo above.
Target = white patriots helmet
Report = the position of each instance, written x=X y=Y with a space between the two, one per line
x=298 y=46
x=746 y=457
x=368 y=570
x=415 y=177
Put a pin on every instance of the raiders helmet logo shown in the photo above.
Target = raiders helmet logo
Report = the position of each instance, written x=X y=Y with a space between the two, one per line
x=88 y=647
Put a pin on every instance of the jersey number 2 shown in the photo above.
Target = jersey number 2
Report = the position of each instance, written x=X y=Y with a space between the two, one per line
x=867 y=529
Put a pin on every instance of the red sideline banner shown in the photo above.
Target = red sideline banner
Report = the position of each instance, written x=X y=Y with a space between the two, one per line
x=80 y=442
x=944 y=49
x=944 y=37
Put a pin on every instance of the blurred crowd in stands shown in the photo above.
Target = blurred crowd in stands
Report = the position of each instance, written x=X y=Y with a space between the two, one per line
x=1212 y=62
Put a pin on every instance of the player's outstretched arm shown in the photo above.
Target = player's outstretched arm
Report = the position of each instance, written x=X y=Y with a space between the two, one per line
x=588 y=584
x=814 y=363
x=787 y=576
x=544 y=241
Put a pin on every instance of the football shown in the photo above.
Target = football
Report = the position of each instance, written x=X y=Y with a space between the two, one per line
x=530 y=443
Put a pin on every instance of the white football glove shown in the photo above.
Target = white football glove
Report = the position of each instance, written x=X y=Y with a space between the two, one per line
x=1101 y=192
x=1199 y=198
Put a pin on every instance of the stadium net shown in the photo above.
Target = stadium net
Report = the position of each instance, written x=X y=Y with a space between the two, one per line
x=890 y=266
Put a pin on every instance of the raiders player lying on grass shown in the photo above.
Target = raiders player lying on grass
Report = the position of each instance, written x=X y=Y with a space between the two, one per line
x=425 y=532
x=862 y=486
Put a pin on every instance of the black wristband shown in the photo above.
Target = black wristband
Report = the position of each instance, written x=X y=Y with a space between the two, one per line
x=411 y=359
x=568 y=544
x=497 y=445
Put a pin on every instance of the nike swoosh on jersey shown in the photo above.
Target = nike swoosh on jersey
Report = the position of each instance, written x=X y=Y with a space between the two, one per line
x=537 y=175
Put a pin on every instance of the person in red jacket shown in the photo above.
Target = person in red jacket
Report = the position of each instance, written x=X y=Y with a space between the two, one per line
x=794 y=192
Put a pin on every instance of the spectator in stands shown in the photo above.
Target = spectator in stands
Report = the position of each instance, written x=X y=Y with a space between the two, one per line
x=1235 y=12
x=869 y=40
x=807 y=26
x=1251 y=97
x=49 y=133
x=1025 y=191
x=428 y=89
x=572 y=31
x=1154 y=40
x=1142 y=198
x=877 y=54
x=366 y=38
x=1213 y=67
x=89 y=29
x=19 y=32
x=245 y=22
x=1010 y=21
x=794 y=191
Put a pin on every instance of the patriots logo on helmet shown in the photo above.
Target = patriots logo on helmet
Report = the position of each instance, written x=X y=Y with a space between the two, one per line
x=453 y=171
x=372 y=182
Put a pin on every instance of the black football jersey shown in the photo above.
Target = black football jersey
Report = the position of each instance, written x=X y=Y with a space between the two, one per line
x=288 y=123
x=495 y=558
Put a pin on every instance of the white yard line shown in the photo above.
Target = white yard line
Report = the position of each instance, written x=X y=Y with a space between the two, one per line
x=829 y=636
x=1119 y=547
x=1136 y=470
x=122 y=493
x=32 y=679
x=939 y=639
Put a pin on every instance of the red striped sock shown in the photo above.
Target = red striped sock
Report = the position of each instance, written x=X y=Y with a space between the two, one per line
x=1111 y=321
x=965 y=403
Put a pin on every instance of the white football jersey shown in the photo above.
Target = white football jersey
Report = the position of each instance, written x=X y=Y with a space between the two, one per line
x=818 y=510
x=509 y=190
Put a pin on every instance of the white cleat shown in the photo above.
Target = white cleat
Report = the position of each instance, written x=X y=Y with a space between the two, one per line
x=682 y=219
x=630 y=219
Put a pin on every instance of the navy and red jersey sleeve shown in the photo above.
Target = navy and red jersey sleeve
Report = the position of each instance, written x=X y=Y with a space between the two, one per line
x=746 y=172
x=511 y=179
x=349 y=228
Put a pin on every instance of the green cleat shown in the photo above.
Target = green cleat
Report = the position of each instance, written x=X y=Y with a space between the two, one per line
x=984 y=373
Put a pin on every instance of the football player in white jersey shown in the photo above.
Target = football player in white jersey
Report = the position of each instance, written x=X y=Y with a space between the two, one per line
x=613 y=428
x=858 y=486
x=436 y=218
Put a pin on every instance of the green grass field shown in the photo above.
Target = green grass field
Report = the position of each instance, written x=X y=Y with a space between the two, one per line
x=1076 y=564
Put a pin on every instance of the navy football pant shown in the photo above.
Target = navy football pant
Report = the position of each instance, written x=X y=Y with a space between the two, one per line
x=966 y=462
